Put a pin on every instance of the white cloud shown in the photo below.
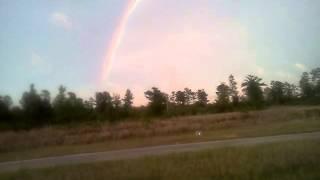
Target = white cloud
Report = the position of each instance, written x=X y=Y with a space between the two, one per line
x=301 y=67
x=62 y=20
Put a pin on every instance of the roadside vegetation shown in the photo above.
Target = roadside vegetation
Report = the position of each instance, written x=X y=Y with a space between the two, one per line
x=285 y=160
x=53 y=141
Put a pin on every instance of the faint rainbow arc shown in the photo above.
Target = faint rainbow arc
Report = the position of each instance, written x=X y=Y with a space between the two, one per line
x=117 y=38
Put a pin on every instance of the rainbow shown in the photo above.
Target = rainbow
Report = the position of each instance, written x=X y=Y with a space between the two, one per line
x=117 y=38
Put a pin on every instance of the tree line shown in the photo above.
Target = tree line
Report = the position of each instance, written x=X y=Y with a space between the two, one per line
x=37 y=108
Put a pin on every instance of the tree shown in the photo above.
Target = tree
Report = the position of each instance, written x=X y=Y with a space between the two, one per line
x=290 y=91
x=233 y=90
x=116 y=101
x=60 y=98
x=59 y=105
x=306 y=86
x=222 y=95
x=193 y=97
x=5 y=104
x=46 y=107
x=36 y=109
x=6 y=100
x=68 y=107
x=315 y=77
x=267 y=94
x=103 y=102
x=280 y=92
x=45 y=96
x=157 y=101
x=252 y=87
x=172 y=97
x=181 y=98
x=202 y=97
x=75 y=108
x=116 y=111
x=89 y=104
x=128 y=100
x=30 y=103
x=190 y=96
x=277 y=92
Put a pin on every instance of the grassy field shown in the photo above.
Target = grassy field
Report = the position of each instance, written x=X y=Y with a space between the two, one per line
x=285 y=161
x=52 y=141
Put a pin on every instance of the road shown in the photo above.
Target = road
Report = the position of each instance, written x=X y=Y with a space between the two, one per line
x=148 y=151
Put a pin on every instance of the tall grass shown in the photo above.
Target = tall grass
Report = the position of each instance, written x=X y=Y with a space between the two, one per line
x=285 y=161
x=55 y=136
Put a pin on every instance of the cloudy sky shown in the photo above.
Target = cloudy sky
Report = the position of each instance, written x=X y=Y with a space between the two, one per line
x=164 y=43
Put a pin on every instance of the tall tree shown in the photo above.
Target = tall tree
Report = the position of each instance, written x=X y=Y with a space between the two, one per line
x=252 y=87
x=90 y=104
x=306 y=86
x=34 y=108
x=103 y=102
x=76 y=110
x=172 y=97
x=60 y=98
x=234 y=93
x=59 y=105
x=117 y=108
x=277 y=92
x=116 y=101
x=46 y=107
x=280 y=92
x=68 y=107
x=315 y=76
x=202 y=97
x=157 y=101
x=128 y=100
x=181 y=98
x=5 y=104
x=290 y=91
x=267 y=94
x=189 y=96
x=45 y=96
x=223 y=95
x=30 y=103
x=6 y=101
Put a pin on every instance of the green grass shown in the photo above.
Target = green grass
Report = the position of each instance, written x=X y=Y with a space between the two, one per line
x=285 y=161
x=215 y=127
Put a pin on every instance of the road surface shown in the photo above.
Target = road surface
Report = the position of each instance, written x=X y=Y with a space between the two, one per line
x=147 y=151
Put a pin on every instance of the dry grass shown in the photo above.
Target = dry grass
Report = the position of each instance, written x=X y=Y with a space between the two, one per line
x=268 y=161
x=217 y=126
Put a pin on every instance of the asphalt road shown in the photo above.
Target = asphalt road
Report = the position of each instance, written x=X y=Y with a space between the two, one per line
x=147 y=151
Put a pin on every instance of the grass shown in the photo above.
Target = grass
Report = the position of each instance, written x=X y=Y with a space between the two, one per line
x=52 y=141
x=285 y=161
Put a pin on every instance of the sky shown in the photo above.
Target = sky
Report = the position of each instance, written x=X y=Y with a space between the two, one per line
x=113 y=45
